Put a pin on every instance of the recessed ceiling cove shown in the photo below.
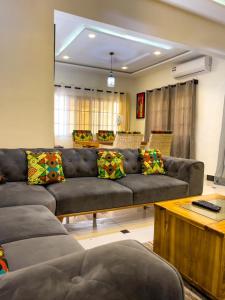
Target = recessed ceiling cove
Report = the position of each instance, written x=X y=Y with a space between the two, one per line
x=87 y=43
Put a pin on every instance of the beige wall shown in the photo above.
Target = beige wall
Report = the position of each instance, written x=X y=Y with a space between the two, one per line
x=210 y=99
x=26 y=54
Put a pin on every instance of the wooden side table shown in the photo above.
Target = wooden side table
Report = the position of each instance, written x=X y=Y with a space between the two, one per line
x=193 y=243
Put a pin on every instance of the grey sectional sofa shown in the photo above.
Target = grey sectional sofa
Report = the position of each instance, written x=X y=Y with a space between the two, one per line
x=83 y=192
x=46 y=263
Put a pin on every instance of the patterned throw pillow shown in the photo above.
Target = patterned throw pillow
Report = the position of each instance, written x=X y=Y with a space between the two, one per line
x=45 y=167
x=106 y=135
x=82 y=135
x=3 y=263
x=152 y=162
x=110 y=165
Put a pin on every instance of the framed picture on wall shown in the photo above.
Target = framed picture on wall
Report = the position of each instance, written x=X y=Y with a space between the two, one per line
x=140 y=106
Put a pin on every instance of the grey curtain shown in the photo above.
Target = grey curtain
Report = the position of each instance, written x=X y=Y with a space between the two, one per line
x=220 y=170
x=173 y=108
x=157 y=111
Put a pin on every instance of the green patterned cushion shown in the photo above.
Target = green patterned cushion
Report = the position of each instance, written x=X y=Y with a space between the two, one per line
x=44 y=167
x=3 y=263
x=106 y=135
x=151 y=161
x=82 y=135
x=110 y=165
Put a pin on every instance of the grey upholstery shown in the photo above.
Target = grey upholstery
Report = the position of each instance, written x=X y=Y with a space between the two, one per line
x=188 y=170
x=28 y=252
x=13 y=164
x=79 y=163
x=20 y=193
x=119 y=271
x=153 y=188
x=28 y=221
x=83 y=191
x=47 y=263
x=88 y=194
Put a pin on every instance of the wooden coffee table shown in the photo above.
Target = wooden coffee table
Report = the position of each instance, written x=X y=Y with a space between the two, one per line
x=193 y=243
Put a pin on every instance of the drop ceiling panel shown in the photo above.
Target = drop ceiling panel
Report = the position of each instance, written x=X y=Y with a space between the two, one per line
x=133 y=50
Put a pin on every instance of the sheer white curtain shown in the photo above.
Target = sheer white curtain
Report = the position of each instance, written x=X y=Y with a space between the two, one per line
x=88 y=110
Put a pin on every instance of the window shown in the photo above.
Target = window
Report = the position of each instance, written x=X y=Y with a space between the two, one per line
x=89 y=110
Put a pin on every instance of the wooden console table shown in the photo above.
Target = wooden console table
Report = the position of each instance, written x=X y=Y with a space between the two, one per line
x=193 y=243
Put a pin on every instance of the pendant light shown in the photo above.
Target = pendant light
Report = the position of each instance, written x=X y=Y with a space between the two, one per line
x=111 y=79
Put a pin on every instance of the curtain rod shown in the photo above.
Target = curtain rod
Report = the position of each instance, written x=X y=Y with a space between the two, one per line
x=86 y=89
x=173 y=85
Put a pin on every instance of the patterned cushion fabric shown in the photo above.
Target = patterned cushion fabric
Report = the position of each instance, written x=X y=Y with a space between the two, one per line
x=110 y=165
x=151 y=161
x=44 y=167
x=3 y=263
x=82 y=135
x=106 y=135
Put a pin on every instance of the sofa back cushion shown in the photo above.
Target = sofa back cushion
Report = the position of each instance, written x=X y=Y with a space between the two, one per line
x=13 y=164
x=132 y=163
x=76 y=162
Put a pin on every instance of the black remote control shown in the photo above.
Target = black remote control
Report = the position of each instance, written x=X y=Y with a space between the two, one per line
x=207 y=205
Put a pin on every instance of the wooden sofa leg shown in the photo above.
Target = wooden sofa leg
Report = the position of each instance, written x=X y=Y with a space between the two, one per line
x=94 y=220
x=145 y=207
x=60 y=218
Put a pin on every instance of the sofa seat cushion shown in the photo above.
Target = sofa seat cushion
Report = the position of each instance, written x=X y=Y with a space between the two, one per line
x=154 y=188
x=24 y=253
x=20 y=193
x=28 y=221
x=89 y=194
x=118 y=271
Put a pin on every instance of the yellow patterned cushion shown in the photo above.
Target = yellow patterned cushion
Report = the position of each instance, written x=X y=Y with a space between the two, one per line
x=110 y=165
x=44 y=167
x=151 y=161
x=82 y=135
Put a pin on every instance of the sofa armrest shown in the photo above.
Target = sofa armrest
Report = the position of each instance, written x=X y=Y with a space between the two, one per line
x=189 y=170
x=122 y=270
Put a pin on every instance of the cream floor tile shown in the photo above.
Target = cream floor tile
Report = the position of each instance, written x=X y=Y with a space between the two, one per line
x=141 y=234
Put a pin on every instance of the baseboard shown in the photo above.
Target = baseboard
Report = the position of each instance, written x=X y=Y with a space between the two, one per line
x=210 y=177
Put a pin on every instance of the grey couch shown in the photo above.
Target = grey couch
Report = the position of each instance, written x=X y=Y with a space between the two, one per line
x=84 y=192
x=46 y=263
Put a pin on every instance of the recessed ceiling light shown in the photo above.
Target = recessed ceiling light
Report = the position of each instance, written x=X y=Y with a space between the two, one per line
x=157 y=52
x=66 y=57
x=92 y=35
x=222 y=2
x=124 y=68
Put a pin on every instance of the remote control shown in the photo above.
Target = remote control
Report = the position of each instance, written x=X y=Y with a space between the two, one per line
x=207 y=205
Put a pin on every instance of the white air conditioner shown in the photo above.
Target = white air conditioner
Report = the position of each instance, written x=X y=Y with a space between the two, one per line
x=195 y=66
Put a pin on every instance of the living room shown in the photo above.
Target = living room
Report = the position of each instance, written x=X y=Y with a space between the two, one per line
x=160 y=36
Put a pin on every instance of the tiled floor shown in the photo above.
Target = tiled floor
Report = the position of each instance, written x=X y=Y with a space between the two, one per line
x=138 y=222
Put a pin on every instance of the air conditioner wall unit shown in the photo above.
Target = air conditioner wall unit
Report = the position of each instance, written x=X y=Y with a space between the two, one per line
x=196 y=66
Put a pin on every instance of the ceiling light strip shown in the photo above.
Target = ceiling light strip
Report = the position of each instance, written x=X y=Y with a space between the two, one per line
x=70 y=39
x=130 y=37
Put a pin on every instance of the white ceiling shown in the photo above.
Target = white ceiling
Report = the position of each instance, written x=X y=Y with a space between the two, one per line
x=206 y=8
x=132 y=49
